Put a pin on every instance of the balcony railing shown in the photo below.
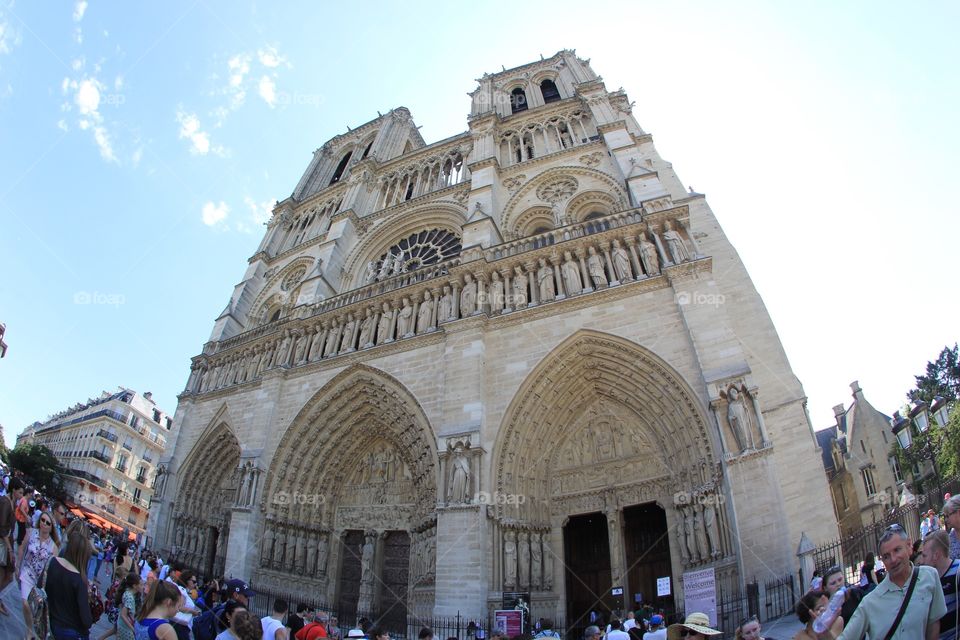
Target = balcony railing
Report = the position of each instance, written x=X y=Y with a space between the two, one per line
x=573 y=261
x=112 y=437
x=102 y=457
x=127 y=446
x=108 y=413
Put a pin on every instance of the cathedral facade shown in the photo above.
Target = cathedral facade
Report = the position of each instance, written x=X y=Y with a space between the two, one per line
x=522 y=361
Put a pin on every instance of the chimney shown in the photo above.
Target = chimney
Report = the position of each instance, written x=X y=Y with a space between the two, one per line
x=839 y=414
x=857 y=391
x=148 y=396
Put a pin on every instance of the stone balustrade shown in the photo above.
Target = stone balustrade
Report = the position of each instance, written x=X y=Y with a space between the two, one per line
x=563 y=264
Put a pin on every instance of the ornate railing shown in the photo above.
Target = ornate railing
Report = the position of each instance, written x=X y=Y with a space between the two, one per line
x=566 y=263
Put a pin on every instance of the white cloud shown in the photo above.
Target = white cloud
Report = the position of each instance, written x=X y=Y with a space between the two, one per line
x=270 y=58
x=9 y=37
x=118 y=83
x=78 y=35
x=77 y=64
x=260 y=212
x=191 y=129
x=79 y=9
x=268 y=90
x=102 y=138
x=62 y=125
x=87 y=97
x=136 y=157
x=214 y=213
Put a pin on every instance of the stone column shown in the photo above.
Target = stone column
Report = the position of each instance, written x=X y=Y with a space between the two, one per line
x=634 y=259
x=461 y=577
x=558 y=278
x=581 y=254
x=243 y=545
x=534 y=294
x=615 y=535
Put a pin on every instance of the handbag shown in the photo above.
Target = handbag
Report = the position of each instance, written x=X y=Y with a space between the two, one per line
x=37 y=600
x=904 y=604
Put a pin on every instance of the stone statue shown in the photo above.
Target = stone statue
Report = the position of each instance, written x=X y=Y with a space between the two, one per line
x=310 y=566
x=301 y=553
x=300 y=352
x=366 y=329
x=346 y=340
x=739 y=423
x=700 y=533
x=523 y=560
x=509 y=560
x=371 y=272
x=331 y=347
x=648 y=256
x=545 y=281
x=571 y=275
x=405 y=319
x=675 y=247
x=385 y=326
x=468 y=297
x=283 y=352
x=621 y=262
x=386 y=267
x=682 y=542
x=316 y=345
x=266 y=551
x=690 y=536
x=278 y=544
x=595 y=268
x=366 y=561
x=710 y=524
x=425 y=315
x=460 y=478
x=496 y=293
x=322 y=554
x=536 y=561
x=547 y=564
x=445 y=312
x=400 y=263
x=519 y=286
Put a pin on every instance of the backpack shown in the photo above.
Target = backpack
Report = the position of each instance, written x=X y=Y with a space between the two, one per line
x=96 y=602
x=206 y=626
x=113 y=611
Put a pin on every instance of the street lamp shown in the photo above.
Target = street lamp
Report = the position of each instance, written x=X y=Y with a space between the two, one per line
x=939 y=411
x=901 y=429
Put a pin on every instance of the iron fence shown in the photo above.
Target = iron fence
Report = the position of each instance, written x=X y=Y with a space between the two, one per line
x=779 y=597
x=850 y=551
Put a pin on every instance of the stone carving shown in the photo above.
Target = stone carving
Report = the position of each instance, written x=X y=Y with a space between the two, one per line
x=523 y=560
x=512 y=184
x=248 y=483
x=425 y=315
x=399 y=263
x=468 y=297
x=332 y=336
x=545 y=281
x=405 y=319
x=445 y=307
x=700 y=533
x=536 y=561
x=571 y=275
x=366 y=329
x=459 y=491
x=496 y=293
x=557 y=190
x=346 y=341
x=366 y=560
x=648 y=256
x=322 y=554
x=621 y=262
x=710 y=524
x=590 y=159
x=386 y=267
x=372 y=273
x=675 y=246
x=385 y=326
x=681 y=540
x=595 y=268
x=300 y=350
x=547 y=564
x=292 y=279
x=519 y=285
x=739 y=421
x=688 y=525
x=510 y=560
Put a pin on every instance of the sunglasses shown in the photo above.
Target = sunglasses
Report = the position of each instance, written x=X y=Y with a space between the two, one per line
x=684 y=633
x=46 y=522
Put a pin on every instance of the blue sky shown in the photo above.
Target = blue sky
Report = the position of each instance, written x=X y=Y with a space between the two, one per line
x=142 y=144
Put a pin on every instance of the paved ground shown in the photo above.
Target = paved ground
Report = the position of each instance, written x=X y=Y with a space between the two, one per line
x=782 y=629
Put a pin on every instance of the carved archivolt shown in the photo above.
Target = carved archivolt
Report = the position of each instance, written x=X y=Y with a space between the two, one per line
x=280 y=289
x=380 y=438
x=533 y=219
x=551 y=183
x=637 y=401
x=590 y=202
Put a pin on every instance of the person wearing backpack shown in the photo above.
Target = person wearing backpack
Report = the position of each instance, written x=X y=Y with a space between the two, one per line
x=209 y=624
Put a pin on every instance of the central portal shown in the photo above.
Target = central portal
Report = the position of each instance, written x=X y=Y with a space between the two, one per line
x=586 y=552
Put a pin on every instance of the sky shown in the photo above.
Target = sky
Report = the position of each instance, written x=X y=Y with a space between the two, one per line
x=142 y=146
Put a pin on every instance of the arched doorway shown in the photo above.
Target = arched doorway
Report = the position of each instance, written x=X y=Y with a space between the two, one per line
x=205 y=495
x=350 y=500
x=604 y=433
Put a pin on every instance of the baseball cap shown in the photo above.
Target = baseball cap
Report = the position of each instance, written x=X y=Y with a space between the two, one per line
x=656 y=619
x=239 y=586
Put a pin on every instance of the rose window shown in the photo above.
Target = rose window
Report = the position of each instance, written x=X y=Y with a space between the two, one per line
x=422 y=249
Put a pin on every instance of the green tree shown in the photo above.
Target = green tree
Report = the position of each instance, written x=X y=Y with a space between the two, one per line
x=40 y=466
x=942 y=378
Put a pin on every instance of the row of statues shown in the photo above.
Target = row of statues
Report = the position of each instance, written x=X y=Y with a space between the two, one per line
x=295 y=550
x=191 y=539
x=697 y=531
x=391 y=265
x=523 y=560
x=423 y=556
x=575 y=272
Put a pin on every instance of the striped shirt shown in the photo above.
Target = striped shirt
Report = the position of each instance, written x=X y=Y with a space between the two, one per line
x=948 y=623
x=954 y=544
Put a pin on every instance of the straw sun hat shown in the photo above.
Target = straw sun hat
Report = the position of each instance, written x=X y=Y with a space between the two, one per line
x=697 y=622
